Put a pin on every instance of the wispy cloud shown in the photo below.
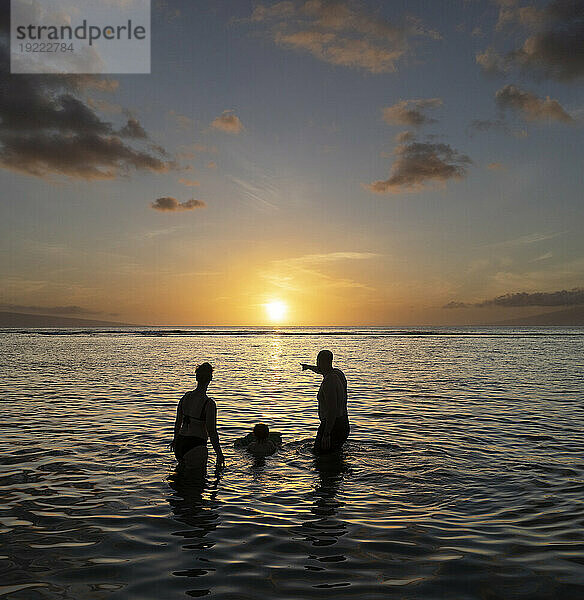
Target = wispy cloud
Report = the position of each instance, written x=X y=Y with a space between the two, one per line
x=182 y=121
x=305 y=272
x=411 y=112
x=525 y=240
x=497 y=125
x=260 y=193
x=189 y=182
x=339 y=33
x=545 y=256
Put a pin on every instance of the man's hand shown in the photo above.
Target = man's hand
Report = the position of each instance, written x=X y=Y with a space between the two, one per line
x=171 y=446
x=325 y=443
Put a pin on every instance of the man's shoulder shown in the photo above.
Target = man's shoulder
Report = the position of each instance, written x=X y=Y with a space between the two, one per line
x=340 y=374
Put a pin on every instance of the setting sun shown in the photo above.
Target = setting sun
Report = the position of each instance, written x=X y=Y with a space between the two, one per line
x=276 y=310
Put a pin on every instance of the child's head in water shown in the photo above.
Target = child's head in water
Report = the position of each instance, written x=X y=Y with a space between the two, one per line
x=261 y=432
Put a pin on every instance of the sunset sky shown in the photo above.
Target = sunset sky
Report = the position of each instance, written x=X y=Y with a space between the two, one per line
x=331 y=163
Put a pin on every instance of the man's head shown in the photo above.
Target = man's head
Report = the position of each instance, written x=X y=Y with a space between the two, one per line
x=324 y=360
x=204 y=373
x=261 y=431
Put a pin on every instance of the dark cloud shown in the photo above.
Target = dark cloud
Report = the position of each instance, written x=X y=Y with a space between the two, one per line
x=169 y=204
x=454 y=304
x=339 y=33
x=556 y=49
x=554 y=46
x=531 y=106
x=563 y=298
x=47 y=129
x=410 y=112
x=419 y=164
x=133 y=129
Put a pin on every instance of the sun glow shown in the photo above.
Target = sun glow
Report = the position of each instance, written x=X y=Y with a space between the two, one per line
x=276 y=310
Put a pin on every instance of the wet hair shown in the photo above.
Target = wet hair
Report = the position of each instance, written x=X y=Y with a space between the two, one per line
x=204 y=373
x=326 y=356
x=261 y=431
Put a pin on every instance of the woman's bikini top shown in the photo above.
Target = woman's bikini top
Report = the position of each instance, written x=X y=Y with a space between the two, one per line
x=202 y=418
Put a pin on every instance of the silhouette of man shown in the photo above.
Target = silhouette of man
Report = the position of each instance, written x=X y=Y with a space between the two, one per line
x=332 y=405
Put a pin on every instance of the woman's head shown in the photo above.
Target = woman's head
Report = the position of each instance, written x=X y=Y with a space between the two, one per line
x=204 y=373
x=261 y=431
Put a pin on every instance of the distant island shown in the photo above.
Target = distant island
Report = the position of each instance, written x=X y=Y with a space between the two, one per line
x=568 y=317
x=14 y=319
x=571 y=317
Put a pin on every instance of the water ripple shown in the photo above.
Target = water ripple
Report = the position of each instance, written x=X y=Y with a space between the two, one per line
x=463 y=476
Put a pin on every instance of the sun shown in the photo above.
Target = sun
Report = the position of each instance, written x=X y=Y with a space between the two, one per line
x=276 y=310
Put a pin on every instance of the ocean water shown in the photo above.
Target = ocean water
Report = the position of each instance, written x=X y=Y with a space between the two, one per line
x=463 y=477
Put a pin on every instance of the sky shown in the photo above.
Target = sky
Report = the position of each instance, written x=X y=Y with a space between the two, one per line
x=304 y=163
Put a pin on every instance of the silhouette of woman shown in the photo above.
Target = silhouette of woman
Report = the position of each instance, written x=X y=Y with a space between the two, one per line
x=196 y=419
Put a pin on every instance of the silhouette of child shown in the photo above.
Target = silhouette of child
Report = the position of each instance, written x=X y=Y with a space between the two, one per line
x=261 y=444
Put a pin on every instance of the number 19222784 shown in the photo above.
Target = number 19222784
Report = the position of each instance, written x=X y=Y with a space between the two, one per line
x=46 y=47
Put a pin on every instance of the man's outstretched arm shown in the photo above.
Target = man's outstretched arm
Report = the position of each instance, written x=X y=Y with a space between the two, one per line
x=306 y=367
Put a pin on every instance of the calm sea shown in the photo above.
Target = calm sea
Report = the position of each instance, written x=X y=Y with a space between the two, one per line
x=463 y=477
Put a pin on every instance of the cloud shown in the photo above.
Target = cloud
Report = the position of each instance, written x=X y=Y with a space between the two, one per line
x=133 y=129
x=91 y=82
x=169 y=204
x=562 y=298
x=526 y=240
x=455 y=304
x=49 y=310
x=410 y=112
x=189 y=182
x=228 y=123
x=404 y=136
x=204 y=148
x=491 y=62
x=544 y=256
x=419 y=164
x=530 y=106
x=46 y=129
x=105 y=106
x=339 y=33
x=181 y=120
x=511 y=14
x=333 y=256
x=302 y=273
x=553 y=47
x=484 y=125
